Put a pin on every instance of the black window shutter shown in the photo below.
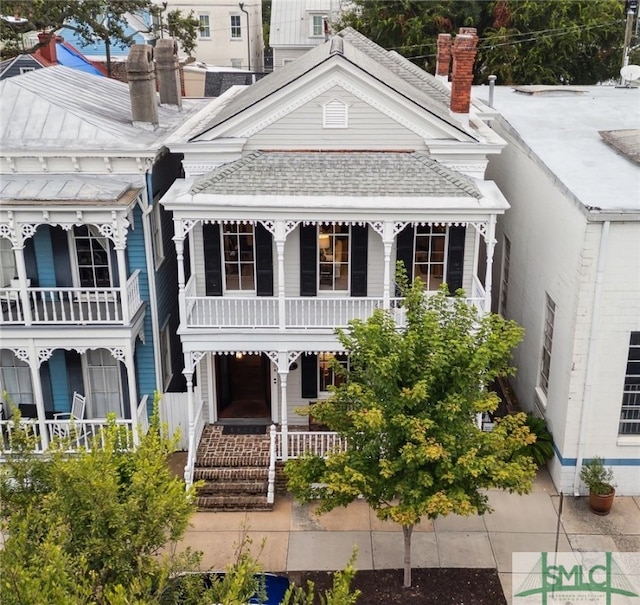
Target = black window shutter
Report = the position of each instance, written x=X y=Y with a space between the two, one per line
x=308 y=260
x=264 y=261
x=404 y=251
x=359 y=249
x=61 y=263
x=309 y=373
x=212 y=261
x=74 y=372
x=455 y=258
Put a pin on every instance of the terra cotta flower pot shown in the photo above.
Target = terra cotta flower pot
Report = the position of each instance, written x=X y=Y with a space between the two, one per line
x=601 y=504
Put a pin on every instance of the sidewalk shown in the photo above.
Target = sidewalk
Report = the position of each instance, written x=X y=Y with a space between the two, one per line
x=296 y=539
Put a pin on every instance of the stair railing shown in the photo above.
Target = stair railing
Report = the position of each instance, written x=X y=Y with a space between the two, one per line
x=272 y=465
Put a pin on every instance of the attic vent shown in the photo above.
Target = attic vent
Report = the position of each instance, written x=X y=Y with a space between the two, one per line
x=335 y=114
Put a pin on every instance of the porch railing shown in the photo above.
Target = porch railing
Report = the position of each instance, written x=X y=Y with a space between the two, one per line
x=301 y=313
x=70 y=306
x=75 y=434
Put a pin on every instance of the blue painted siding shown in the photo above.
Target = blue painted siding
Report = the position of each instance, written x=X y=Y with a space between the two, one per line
x=59 y=382
x=144 y=355
x=44 y=257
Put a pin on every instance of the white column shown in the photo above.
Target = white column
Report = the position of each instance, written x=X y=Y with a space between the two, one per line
x=133 y=394
x=491 y=244
x=22 y=280
x=283 y=374
x=280 y=237
x=34 y=366
x=191 y=429
x=179 y=243
x=387 y=242
x=122 y=273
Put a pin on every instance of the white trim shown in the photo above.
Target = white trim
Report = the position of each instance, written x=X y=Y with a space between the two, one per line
x=157 y=243
x=208 y=26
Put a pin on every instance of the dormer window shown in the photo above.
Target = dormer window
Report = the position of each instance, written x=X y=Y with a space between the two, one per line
x=335 y=114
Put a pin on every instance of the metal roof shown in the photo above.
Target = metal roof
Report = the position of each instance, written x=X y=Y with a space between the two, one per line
x=59 y=107
x=348 y=173
x=289 y=27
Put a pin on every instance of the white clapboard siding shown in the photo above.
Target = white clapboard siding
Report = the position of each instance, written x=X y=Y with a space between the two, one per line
x=175 y=414
x=368 y=128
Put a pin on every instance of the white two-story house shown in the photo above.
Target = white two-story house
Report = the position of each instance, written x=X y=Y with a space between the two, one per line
x=301 y=192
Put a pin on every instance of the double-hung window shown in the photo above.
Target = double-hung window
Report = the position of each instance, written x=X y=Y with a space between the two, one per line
x=204 y=27
x=93 y=258
x=630 y=412
x=236 y=27
x=238 y=241
x=429 y=261
x=317 y=26
x=333 y=257
x=103 y=372
x=15 y=379
x=547 y=342
x=327 y=374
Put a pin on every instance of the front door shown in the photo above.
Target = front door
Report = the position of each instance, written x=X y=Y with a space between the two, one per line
x=243 y=386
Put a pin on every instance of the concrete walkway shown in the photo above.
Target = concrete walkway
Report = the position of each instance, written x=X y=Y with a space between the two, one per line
x=293 y=538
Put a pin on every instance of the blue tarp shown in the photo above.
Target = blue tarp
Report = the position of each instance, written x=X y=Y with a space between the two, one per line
x=69 y=58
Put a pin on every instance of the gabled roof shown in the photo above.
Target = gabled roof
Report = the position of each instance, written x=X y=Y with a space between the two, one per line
x=60 y=107
x=388 y=69
x=338 y=173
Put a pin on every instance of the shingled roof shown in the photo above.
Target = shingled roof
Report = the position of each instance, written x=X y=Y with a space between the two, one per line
x=339 y=173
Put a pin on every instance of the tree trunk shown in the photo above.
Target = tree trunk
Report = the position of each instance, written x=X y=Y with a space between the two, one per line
x=406 y=532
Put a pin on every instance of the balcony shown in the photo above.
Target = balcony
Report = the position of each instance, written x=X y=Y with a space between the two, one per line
x=300 y=313
x=70 y=306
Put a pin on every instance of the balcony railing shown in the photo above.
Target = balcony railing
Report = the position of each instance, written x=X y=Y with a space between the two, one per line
x=300 y=313
x=70 y=306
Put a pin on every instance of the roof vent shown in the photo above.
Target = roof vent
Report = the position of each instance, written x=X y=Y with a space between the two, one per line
x=335 y=114
x=337 y=47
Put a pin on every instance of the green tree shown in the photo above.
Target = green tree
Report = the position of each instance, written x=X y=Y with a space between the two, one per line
x=91 y=20
x=521 y=41
x=407 y=410
x=98 y=527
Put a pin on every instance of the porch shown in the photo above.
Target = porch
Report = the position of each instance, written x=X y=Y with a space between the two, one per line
x=70 y=306
x=294 y=313
x=73 y=433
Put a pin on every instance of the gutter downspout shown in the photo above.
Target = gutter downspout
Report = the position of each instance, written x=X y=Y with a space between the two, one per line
x=241 y=5
x=595 y=315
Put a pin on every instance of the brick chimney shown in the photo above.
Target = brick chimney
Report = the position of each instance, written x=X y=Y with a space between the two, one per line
x=142 y=86
x=443 y=58
x=48 y=46
x=168 y=71
x=464 y=54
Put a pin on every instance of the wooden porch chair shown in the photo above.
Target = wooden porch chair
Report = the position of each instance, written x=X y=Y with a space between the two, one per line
x=63 y=429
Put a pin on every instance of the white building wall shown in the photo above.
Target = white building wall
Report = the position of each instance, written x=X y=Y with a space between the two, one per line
x=220 y=48
x=368 y=128
x=282 y=56
x=555 y=250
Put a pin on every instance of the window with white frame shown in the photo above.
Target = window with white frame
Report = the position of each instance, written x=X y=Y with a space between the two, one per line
x=333 y=257
x=93 y=258
x=547 y=342
x=15 y=378
x=317 y=26
x=430 y=246
x=630 y=412
x=156 y=235
x=335 y=114
x=165 y=354
x=7 y=263
x=239 y=258
x=504 y=282
x=204 y=27
x=103 y=372
x=327 y=375
x=26 y=70
x=236 y=27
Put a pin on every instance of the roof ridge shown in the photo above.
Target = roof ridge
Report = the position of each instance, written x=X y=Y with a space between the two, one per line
x=448 y=173
x=224 y=170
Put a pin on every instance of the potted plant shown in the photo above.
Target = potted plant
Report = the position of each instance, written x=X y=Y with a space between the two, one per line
x=599 y=480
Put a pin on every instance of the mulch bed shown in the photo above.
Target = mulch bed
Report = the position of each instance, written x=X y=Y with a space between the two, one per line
x=429 y=586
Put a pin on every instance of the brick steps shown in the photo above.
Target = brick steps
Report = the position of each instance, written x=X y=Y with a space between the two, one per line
x=234 y=469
